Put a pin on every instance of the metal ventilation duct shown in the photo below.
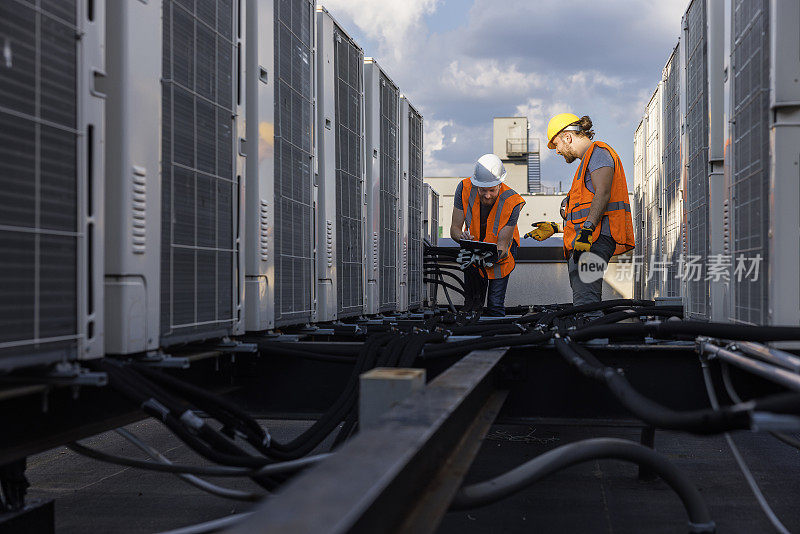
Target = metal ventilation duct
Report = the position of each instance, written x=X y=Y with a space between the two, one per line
x=750 y=170
x=294 y=248
x=349 y=86
x=199 y=185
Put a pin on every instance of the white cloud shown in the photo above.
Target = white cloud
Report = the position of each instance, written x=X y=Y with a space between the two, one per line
x=487 y=78
x=388 y=22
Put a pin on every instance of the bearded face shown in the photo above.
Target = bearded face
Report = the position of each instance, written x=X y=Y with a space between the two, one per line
x=565 y=149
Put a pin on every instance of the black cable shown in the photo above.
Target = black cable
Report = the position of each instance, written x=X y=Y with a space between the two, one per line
x=443 y=284
x=733 y=394
x=214 y=470
x=617 y=316
x=708 y=421
x=445 y=273
x=499 y=487
x=462 y=347
x=690 y=329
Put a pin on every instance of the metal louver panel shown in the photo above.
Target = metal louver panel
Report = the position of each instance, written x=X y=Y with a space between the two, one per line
x=434 y=218
x=638 y=203
x=652 y=197
x=294 y=269
x=348 y=68
x=199 y=184
x=750 y=172
x=697 y=206
x=389 y=194
x=415 y=209
x=39 y=208
x=673 y=245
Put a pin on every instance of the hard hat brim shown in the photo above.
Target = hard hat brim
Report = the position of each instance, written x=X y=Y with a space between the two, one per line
x=488 y=184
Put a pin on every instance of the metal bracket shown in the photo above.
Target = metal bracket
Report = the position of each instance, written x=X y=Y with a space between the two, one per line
x=229 y=345
x=63 y=374
x=161 y=359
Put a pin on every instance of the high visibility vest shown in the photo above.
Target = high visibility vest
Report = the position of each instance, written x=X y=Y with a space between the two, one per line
x=618 y=209
x=507 y=200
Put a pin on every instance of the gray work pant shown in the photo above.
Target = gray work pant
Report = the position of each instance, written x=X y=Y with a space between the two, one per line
x=583 y=293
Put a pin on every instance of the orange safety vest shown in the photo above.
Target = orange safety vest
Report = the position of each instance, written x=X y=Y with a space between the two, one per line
x=618 y=209
x=507 y=200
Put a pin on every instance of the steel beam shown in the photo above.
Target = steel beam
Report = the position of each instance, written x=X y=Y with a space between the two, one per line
x=377 y=481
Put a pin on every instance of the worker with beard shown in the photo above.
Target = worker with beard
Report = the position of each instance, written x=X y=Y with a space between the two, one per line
x=596 y=212
x=486 y=209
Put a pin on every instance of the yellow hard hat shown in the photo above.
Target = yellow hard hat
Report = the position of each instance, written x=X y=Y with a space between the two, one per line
x=557 y=125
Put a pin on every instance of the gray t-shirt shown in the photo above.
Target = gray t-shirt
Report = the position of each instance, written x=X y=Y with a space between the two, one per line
x=600 y=158
x=459 y=205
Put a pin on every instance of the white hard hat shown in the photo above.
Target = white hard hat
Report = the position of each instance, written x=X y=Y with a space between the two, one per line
x=489 y=171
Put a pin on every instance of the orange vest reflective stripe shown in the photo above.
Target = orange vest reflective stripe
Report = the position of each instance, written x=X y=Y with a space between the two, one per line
x=618 y=209
x=507 y=200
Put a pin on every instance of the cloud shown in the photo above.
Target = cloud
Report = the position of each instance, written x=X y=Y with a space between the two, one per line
x=390 y=23
x=517 y=57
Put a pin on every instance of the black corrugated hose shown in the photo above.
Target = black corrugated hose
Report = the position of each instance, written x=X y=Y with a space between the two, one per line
x=499 y=487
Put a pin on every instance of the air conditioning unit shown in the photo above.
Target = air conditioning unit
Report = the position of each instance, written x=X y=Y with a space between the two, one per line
x=341 y=210
x=51 y=169
x=430 y=233
x=698 y=211
x=279 y=266
x=638 y=205
x=412 y=138
x=174 y=189
x=764 y=136
x=382 y=102
x=672 y=177
x=653 y=241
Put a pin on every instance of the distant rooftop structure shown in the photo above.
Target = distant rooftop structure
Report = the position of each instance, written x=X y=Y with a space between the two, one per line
x=520 y=154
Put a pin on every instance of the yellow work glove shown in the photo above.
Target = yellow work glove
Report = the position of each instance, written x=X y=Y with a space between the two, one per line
x=584 y=240
x=543 y=230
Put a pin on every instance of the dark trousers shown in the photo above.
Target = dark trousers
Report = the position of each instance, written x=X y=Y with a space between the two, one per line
x=479 y=289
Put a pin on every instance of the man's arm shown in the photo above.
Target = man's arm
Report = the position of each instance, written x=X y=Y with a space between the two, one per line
x=601 y=179
x=504 y=237
x=456 y=225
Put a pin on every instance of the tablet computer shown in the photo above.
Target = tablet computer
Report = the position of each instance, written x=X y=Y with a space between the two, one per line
x=481 y=246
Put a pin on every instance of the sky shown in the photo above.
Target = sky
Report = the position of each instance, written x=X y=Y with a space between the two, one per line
x=463 y=62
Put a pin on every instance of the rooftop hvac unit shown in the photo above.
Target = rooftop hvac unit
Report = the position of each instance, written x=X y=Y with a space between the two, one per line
x=764 y=188
x=696 y=162
x=174 y=167
x=411 y=135
x=402 y=207
x=280 y=190
x=383 y=184
x=433 y=225
x=653 y=242
x=51 y=210
x=672 y=210
x=638 y=203
x=341 y=210
x=750 y=188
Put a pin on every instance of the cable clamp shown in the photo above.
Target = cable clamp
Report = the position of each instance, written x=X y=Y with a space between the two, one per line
x=189 y=419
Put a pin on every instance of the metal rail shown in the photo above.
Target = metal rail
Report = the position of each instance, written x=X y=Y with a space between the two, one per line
x=383 y=479
x=773 y=373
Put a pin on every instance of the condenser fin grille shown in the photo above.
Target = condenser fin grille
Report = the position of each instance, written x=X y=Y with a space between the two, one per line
x=414 y=209
x=39 y=225
x=673 y=242
x=348 y=66
x=697 y=207
x=750 y=184
x=388 y=194
x=199 y=184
